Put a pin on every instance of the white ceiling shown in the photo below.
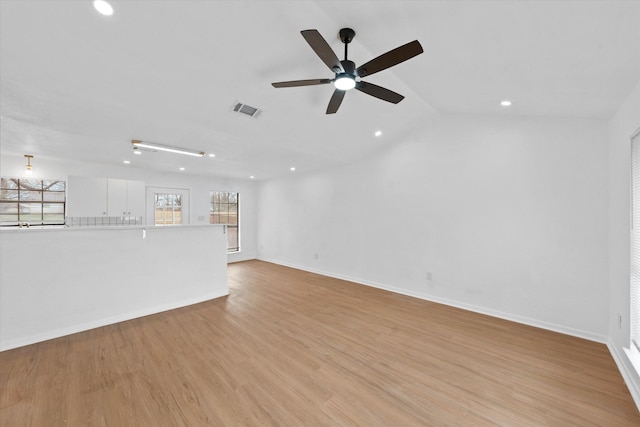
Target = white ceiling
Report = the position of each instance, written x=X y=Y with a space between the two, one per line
x=76 y=84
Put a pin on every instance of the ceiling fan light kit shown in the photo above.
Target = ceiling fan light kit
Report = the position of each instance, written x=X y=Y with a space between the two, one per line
x=344 y=82
x=345 y=71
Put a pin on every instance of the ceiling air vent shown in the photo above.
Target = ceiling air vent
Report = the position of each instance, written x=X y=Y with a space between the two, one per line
x=248 y=110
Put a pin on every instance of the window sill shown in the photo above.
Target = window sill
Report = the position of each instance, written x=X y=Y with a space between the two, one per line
x=634 y=357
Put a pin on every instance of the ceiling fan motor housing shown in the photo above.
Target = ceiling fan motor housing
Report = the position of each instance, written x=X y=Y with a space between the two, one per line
x=349 y=67
x=346 y=80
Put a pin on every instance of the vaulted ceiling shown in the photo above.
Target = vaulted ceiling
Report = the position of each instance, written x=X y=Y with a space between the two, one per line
x=79 y=85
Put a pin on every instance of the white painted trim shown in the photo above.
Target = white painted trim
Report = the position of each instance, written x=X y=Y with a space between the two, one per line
x=476 y=309
x=22 y=341
x=625 y=370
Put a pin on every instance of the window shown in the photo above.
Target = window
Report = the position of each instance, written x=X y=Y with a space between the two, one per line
x=168 y=209
x=634 y=352
x=33 y=201
x=224 y=210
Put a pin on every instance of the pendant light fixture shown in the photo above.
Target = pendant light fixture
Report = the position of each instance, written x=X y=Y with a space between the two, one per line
x=28 y=168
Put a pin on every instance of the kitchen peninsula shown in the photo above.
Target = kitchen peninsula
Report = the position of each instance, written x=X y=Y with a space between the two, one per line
x=59 y=281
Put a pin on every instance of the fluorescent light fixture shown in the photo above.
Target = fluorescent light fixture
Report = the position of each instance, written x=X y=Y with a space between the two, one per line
x=345 y=82
x=378 y=133
x=126 y=162
x=211 y=155
x=251 y=177
x=292 y=169
x=181 y=169
x=103 y=7
x=505 y=103
x=167 y=148
x=137 y=152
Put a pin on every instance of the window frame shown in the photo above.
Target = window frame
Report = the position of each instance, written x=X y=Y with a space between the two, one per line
x=230 y=249
x=150 y=214
x=173 y=197
x=42 y=201
x=633 y=352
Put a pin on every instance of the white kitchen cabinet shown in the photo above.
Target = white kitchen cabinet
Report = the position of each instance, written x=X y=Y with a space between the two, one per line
x=125 y=198
x=117 y=197
x=136 y=193
x=105 y=197
x=86 y=196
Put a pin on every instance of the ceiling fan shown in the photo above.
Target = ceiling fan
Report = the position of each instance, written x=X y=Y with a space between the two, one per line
x=346 y=72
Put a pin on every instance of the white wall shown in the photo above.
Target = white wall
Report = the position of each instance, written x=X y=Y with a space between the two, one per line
x=198 y=186
x=508 y=216
x=621 y=127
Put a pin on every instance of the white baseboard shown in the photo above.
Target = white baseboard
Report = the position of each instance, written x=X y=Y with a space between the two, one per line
x=45 y=336
x=625 y=368
x=476 y=309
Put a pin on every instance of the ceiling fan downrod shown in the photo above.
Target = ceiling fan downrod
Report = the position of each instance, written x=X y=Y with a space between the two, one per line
x=346 y=35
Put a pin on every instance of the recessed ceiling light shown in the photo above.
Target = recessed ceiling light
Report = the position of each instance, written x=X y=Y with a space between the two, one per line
x=292 y=169
x=126 y=162
x=181 y=169
x=251 y=177
x=137 y=152
x=103 y=7
x=211 y=155
x=378 y=133
x=505 y=103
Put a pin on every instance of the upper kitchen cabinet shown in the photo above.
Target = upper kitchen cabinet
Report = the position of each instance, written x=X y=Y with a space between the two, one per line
x=86 y=196
x=97 y=197
x=125 y=198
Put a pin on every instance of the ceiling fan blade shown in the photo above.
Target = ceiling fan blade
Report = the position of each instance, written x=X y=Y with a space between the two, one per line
x=391 y=58
x=294 y=83
x=335 y=101
x=379 y=92
x=322 y=49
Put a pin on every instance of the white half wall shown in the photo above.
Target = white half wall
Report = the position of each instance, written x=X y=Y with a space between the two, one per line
x=56 y=282
x=621 y=127
x=505 y=216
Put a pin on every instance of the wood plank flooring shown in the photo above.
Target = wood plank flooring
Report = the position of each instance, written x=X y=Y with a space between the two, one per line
x=291 y=348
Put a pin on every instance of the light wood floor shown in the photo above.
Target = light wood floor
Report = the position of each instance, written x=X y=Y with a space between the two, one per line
x=290 y=348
